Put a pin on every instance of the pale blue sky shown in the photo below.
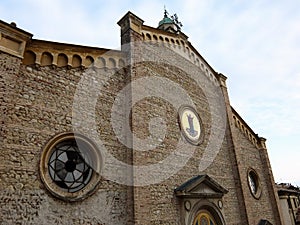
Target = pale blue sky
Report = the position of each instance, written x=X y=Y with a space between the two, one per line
x=254 y=43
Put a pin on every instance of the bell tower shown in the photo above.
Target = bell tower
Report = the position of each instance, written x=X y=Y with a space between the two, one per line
x=170 y=24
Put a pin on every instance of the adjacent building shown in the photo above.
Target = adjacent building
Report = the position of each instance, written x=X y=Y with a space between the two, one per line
x=289 y=197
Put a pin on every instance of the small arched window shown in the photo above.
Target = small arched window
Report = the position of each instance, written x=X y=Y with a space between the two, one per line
x=29 y=58
x=89 y=60
x=62 y=60
x=148 y=36
x=76 y=61
x=47 y=59
x=111 y=63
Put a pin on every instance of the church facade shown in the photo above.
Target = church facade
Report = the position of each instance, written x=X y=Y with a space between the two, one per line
x=141 y=135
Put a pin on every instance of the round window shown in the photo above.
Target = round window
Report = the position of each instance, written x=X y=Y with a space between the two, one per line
x=70 y=166
x=254 y=183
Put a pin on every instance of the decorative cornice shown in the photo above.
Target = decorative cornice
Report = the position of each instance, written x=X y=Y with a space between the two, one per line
x=12 y=39
x=71 y=56
x=246 y=130
x=179 y=43
x=130 y=21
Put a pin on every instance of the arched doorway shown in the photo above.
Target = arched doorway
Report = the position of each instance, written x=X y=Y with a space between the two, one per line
x=204 y=218
x=201 y=201
x=206 y=213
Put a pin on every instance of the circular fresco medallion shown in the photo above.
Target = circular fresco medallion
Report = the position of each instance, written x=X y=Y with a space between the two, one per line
x=190 y=124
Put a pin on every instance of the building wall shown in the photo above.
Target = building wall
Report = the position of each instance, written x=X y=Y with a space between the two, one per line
x=289 y=203
x=37 y=105
x=250 y=158
x=157 y=204
x=286 y=214
x=230 y=167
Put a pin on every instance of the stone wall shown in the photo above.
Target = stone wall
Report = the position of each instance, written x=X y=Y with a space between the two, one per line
x=36 y=105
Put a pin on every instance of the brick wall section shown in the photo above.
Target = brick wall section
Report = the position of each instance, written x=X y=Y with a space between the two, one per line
x=247 y=155
x=156 y=204
x=274 y=198
x=265 y=206
x=37 y=105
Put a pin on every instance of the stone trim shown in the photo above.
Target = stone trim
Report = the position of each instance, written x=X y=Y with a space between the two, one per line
x=201 y=186
x=12 y=39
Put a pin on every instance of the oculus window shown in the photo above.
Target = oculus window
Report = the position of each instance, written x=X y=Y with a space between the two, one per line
x=254 y=183
x=70 y=166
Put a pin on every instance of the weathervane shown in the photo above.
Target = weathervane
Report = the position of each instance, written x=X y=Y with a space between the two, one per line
x=176 y=22
x=173 y=19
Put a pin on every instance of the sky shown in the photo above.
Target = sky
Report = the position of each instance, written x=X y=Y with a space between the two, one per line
x=254 y=43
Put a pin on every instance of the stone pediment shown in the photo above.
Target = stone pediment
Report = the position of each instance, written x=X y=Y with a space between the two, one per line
x=201 y=186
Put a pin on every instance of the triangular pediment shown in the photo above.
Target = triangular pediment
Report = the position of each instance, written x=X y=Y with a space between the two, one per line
x=201 y=186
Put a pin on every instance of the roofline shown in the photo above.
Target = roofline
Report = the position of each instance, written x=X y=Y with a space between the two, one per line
x=16 y=28
x=73 y=45
x=129 y=13
x=244 y=122
x=188 y=43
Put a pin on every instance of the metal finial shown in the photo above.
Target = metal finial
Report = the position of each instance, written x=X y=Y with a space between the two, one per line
x=165 y=11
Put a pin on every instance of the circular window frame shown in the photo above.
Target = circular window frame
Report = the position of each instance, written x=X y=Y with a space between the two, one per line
x=253 y=175
x=96 y=164
x=180 y=114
